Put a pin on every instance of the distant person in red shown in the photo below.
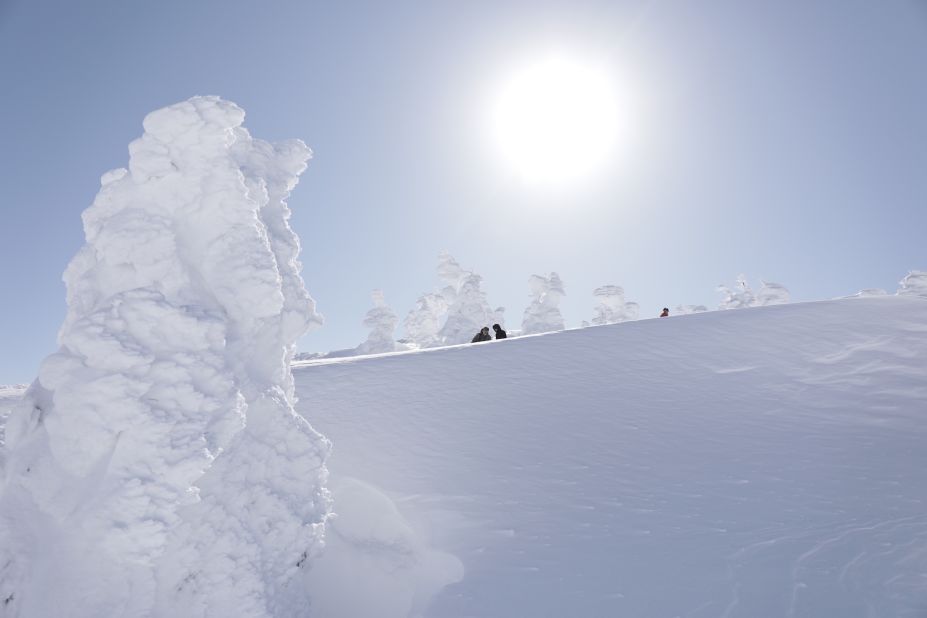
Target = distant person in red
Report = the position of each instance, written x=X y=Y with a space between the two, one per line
x=665 y=313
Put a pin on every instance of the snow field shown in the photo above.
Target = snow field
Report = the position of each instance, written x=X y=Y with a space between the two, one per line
x=765 y=462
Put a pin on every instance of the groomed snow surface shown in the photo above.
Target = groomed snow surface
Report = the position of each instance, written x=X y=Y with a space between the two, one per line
x=766 y=462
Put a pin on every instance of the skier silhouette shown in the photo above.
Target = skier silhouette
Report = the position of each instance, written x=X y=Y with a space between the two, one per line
x=500 y=334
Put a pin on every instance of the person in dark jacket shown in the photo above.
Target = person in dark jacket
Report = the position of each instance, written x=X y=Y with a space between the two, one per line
x=500 y=334
x=483 y=335
x=665 y=313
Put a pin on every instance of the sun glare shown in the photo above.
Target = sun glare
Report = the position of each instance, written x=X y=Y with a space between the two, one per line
x=555 y=121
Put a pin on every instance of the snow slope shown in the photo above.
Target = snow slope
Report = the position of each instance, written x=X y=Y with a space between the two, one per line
x=752 y=463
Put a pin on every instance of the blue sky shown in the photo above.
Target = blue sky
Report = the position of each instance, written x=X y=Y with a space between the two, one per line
x=787 y=141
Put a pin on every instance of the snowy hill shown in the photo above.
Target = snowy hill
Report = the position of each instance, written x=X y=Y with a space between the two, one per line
x=753 y=463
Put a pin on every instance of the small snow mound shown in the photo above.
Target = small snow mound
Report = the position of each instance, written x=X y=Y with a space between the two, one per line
x=375 y=564
x=914 y=284
x=772 y=294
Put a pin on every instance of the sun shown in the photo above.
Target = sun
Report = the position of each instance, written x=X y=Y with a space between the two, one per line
x=555 y=121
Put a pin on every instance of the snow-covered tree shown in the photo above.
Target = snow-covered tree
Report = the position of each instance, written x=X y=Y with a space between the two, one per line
x=382 y=321
x=468 y=312
x=771 y=294
x=157 y=467
x=451 y=275
x=687 y=309
x=611 y=307
x=742 y=295
x=914 y=284
x=543 y=313
x=739 y=297
x=423 y=322
x=453 y=314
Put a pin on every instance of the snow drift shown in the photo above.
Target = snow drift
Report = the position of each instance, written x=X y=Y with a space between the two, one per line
x=156 y=467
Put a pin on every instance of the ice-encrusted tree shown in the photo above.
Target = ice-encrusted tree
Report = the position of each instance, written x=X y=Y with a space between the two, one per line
x=423 y=322
x=156 y=466
x=467 y=313
x=611 y=307
x=452 y=275
x=914 y=284
x=543 y=312
x=453 y=314
x=382 y=321
x=737 y=298
x=742 y=295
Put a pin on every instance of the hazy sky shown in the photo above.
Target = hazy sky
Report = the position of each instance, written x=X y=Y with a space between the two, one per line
x=784 y=140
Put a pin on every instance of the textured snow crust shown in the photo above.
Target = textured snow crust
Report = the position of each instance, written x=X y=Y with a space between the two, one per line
x=156 y=466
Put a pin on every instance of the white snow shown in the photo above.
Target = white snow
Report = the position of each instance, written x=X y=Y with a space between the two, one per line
x=751 y=464
x=156 y=466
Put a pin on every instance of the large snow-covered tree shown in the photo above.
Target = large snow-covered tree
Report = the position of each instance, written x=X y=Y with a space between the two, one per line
x=454 y=313
x=156 y=466
x=422 y=323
